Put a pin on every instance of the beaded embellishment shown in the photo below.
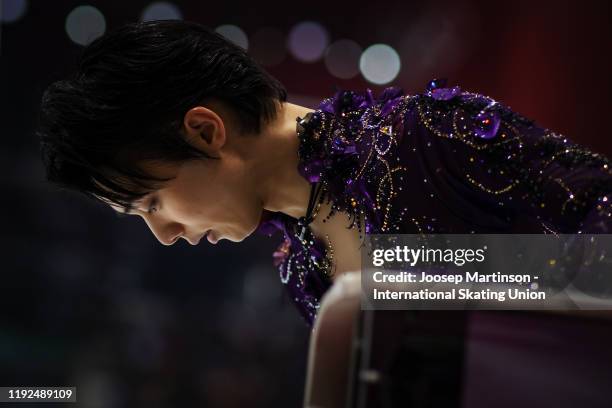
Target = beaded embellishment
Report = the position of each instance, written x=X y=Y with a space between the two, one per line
x=443 y=161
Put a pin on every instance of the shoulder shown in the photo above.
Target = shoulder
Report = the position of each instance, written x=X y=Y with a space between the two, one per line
x=467 y=114
x=343 y=118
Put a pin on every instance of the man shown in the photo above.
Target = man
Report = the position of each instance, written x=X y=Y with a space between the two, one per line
x=170 y=121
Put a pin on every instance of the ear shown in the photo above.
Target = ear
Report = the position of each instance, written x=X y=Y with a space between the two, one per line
x=204 y=129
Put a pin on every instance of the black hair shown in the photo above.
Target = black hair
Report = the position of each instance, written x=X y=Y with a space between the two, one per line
x=128 y=98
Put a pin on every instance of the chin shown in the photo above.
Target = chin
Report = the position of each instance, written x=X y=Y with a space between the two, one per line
x=239 y=235
x=236 y=237
x=246 y=233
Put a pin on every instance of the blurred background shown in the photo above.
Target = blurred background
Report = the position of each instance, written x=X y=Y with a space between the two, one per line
x=94 y=301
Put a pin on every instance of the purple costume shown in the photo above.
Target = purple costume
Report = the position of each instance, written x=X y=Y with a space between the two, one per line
x=443 y=161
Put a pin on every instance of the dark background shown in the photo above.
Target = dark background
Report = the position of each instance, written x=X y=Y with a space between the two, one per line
x=94 y=301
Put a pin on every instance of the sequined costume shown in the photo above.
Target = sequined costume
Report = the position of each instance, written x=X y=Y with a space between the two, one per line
x=442 y=161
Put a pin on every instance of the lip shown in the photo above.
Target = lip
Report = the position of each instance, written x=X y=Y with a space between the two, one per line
x=197 y=241
x=209 y=236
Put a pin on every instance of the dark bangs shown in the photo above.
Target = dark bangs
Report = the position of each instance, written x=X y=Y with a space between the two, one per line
x=126 y=103
x=104 y=162
x=119 y=180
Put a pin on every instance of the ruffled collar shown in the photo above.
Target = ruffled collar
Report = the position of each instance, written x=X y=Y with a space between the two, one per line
x=326 y=153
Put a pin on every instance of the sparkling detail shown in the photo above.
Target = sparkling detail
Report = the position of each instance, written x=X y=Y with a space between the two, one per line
x=444 y=161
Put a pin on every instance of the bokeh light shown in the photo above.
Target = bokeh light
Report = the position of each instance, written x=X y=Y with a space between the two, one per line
x=12 y=10
x=161 y=10
x=84 y=24
x=308 y=41
x=379 y=64
x=342 y=58
x=267 y=46
x=234 y=34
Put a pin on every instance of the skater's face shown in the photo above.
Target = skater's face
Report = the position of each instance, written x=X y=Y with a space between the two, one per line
x=205 y=197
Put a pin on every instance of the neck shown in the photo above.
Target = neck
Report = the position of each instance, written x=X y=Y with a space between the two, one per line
x=284 y=189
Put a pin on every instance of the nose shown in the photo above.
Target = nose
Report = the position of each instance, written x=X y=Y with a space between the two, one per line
x=167 y=234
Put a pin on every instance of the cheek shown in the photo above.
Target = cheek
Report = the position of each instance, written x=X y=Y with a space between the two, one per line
x=231 y=199
x=241 y=206
x=213 y=204
x=188 y=213
x=187 y=206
